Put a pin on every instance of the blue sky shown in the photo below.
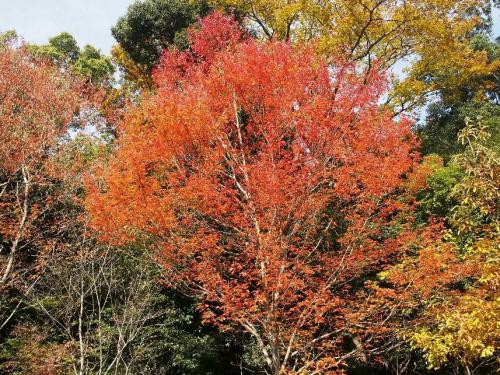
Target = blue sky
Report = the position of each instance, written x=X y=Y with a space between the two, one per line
x=89 y=21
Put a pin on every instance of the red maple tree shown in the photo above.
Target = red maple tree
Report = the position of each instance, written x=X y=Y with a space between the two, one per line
x=37 y=104
x=269 y=177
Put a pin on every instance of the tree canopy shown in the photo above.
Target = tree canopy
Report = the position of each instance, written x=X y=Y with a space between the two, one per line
x=251 y=192
x=88 y=62
x=151 y=26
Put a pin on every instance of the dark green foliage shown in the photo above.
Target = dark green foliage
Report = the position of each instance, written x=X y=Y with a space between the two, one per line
x=181 y=344
x=479 y=98
x=150 y=26
x=440 y=133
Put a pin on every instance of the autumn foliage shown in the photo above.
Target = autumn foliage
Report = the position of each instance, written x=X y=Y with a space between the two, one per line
x=269 y=179
x=37 y=105
x=247 y=194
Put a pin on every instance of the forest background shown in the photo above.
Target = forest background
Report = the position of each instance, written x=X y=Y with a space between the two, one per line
x=254 y=187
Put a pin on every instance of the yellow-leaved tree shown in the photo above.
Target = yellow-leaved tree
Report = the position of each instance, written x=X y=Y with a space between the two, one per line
x=431 y=35
x=467 y=327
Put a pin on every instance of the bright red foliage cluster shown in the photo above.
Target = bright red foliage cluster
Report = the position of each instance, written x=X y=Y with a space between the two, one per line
x=269 y=179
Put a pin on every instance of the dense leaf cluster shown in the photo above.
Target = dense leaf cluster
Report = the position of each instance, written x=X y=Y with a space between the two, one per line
x=251 y=195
